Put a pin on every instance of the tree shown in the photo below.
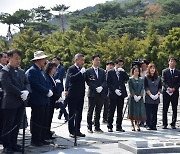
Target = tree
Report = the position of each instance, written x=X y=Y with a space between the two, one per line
x=149 y=47
x=110 y=11
x=41 y=20
x=4 y=45
x=61 y=9
x=21 y=17
x=135 y=8
x=27 y=43
x=8 y=19
x=41 y=14
x=170 y=47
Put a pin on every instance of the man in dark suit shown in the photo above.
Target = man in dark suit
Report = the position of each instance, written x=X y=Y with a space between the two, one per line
x=171 y=84
x=76 y=92
x=3 y=62
x=116 y=79
x=39 y=99
x=109 y=66
x=96 y=80
x=15 y=92
x=58 y=77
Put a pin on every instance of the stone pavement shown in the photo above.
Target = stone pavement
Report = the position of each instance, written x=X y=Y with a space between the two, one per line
x=99 y=143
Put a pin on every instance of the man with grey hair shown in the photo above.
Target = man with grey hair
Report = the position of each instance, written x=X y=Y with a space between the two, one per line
x=76 y=92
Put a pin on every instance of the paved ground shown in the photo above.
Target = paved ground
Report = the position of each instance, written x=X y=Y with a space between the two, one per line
x=99 y=143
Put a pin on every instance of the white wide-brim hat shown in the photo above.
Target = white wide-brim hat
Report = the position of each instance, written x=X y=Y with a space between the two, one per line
x=39 y=55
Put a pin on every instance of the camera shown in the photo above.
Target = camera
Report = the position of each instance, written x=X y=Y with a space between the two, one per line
x=137 y=62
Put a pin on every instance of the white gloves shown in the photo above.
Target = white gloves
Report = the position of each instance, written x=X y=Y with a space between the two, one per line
x=24 y=95
x=83 y=70
x=60 y=99
x=120 y=69
x=137 y=98
x=50 y=93
x=58 y=81
x=99 y=89
x=154 y=97
x=118 y=92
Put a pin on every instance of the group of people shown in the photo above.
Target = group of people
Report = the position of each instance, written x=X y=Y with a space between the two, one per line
x=41 y=87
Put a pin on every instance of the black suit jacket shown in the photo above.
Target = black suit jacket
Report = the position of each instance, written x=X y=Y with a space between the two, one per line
x=93 y=82
x=113 y=83
x=171 y=81
x=55 y=89
x=13 y=82
x=1 y=91
x=76 y=82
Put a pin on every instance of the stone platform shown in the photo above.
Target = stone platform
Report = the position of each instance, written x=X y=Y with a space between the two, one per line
x=146 y=147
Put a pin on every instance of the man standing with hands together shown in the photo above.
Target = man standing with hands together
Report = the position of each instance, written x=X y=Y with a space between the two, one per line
x=171 y=83
x=116 y=79
x=16 y=90
x=96 y=80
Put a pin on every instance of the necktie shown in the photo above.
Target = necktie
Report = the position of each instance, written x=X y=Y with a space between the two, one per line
x=172 y=72
x=117 y=73
x=78 y=68
x=96 y=71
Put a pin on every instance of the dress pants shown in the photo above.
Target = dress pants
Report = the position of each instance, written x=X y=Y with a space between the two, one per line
x=39 y=122
x=11 y=122
x=119 y=103
x=166 y=102
x=50 y=117
x=151 y=113
x=1 y=121
x=106 y=107
x=75 y=105
x=63 y=108
x=94 y=103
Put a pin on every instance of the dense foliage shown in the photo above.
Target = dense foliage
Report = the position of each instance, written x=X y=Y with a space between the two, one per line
x=134 y=30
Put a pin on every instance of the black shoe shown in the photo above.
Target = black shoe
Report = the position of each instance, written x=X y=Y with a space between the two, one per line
x=45 y=142
x=141 y=124
x=80 y=134
x=66 y=118
x=52 y=138
x=52 y=132
x=110 y=130
x=36 y=144
x=164 y=127
x=17 y=148
x=98 y=130
x=120 y=130
x=173 y=127
x=90 y=131
x=59 y=116
x=138 y=129
x=154 y=128
x=149 y=128
x=71 y=135
x=104 y=121
x=8 y=150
